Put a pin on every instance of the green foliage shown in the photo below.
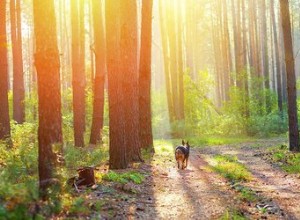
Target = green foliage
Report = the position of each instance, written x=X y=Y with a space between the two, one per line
x=31 y=107
x=290 y=162
x=19 y=172
x=132 y=176
x=160 y=117
x=233 y=214
x=92 y=156
x=199 y=110
x=229 y=167
x=248 y=195
x=240 y=115
x=78 y=207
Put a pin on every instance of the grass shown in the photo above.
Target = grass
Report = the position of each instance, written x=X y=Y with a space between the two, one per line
x=132 y=176
x=288 y=161
x=247 y=194
x=218 y=140
x=233 y=215
x=230 y=168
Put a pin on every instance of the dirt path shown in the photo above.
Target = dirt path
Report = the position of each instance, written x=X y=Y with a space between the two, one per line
x=282 y=191
x=194 y=193
x=199 y=193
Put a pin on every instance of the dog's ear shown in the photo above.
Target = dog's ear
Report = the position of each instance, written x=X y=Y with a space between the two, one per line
x=183 y=143
x=187 y=143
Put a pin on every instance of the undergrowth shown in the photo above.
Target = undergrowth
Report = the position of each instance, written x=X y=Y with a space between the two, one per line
x=229 y=167
x=132 y=176
x=288 y=161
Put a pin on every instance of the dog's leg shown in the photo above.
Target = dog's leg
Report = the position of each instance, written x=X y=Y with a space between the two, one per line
x=186 y=162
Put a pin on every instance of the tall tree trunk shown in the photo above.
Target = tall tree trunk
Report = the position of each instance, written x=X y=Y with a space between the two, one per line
x=217 y=58
x=277 y=59
x=129 y=68
x=49 y=96
x=18 y=76
x=78 y=75
x=100 y=57
x=265 y=55
x=282 y=61
x=117 y=148
x=171 y=41
x=245 y=60
x=225 y=49
x=180 y=61
x=291 y=78
x=146 y=136
x=164 y=37
x=4 y=109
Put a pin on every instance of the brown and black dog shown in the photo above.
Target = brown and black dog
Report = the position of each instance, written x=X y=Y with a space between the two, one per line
x=182 y=155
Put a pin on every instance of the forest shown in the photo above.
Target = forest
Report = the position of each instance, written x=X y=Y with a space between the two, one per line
x=149 y=109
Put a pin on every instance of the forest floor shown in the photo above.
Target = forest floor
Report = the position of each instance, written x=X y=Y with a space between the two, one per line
x=199 y=192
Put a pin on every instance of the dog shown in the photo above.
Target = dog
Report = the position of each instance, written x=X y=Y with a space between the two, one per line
x=182 y=154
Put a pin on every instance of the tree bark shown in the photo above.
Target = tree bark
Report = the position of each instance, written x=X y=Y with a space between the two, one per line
x=78 y=74
x=100 y=59
x=146 y=136
x=277 y=59
x=291 y=78
x=117 y=147
x=4 y=109
x=129 y=68
x=18 y=76
x=49 y=96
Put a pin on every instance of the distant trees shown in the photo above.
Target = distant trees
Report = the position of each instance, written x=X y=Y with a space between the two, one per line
x=4 y=109
x=291 y=78
x=48 y=71
x=171 y=28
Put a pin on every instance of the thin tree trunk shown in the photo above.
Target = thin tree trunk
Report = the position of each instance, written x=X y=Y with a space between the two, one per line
x=277 y=59
x=4 y=109
x=78 y=80
x=225 y=49
x=163 y=27
x=18 y=76
x=180 y=62
x=265 y=55
x=100 y=55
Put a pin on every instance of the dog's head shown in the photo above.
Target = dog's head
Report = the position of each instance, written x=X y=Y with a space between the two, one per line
x=186 y=144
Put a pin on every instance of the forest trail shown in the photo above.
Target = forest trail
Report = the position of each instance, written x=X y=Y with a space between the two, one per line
x=194 y=193
x=281 y=192
x=200 y=193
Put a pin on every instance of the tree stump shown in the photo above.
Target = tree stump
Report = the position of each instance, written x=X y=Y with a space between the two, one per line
x=86 y=176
